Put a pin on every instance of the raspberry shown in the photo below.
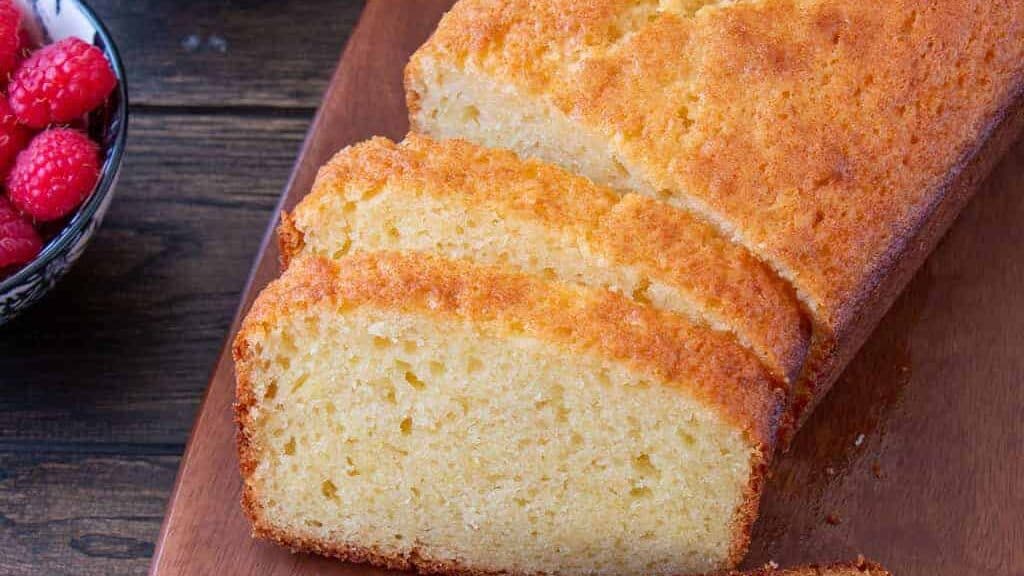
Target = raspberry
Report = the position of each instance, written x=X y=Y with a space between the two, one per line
x=19 y=241
x=13 y=137
x=10 y=37
x=60 y=82
x=54 y=174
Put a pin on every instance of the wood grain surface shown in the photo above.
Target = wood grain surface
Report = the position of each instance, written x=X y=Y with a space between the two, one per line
x=229 y=54
x=914 y=459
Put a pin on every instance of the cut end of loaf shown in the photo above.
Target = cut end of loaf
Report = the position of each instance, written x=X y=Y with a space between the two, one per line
x=419 y=436
x=449 y=102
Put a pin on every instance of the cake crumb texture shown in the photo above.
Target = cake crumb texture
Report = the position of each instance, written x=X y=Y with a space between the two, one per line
x=412 y=411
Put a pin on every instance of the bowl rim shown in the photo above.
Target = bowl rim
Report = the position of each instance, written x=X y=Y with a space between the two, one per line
x=108 y=172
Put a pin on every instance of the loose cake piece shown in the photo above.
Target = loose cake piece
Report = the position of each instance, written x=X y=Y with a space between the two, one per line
x=835 y=139
x=412 y=411
x=859 y=568
x=462 y=201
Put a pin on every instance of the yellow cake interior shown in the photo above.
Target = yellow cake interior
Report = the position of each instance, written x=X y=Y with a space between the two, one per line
x=456 y=103
x=476 y=445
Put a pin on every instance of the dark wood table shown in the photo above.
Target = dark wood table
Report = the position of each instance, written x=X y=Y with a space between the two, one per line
x=99 y=384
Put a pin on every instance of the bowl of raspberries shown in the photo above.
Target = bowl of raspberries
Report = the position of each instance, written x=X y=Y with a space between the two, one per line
x=63 y=126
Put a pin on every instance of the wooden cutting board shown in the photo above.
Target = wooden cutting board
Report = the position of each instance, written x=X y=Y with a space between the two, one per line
x=915 y=459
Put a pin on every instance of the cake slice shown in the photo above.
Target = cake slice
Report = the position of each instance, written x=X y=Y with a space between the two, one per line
x=462 y=201
x=834 y=139
x=418 y=412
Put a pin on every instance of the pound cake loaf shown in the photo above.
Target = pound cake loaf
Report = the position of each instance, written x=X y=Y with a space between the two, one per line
x=419 y=412
x=462 y=201
x=834 y=139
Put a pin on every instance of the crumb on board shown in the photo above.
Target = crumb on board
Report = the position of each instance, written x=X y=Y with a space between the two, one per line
x=195 y=42
x=859 y=440
x=218 y=43
x=833 y=519
x=191 y=43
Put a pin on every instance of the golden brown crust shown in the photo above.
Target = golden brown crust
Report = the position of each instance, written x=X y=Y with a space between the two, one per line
x=664 y=243
x=825 y=132
x=823 y=367
x=743 y=522
x=715 y=369
x=289 y=239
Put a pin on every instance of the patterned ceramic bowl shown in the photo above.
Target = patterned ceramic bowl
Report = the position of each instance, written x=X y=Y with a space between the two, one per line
x=49 y=21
